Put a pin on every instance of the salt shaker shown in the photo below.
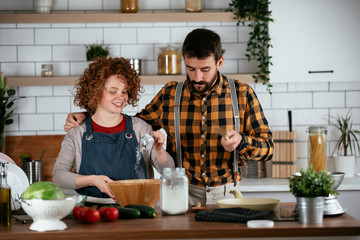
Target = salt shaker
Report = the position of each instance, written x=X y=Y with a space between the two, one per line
x=174 y=192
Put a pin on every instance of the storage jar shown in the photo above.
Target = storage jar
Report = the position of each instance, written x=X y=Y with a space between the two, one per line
x=42 y=6
x=129 y=6
x=174 y=192
x=317 y=147
x=193 y=5
x=169 y=61
x=47 y=70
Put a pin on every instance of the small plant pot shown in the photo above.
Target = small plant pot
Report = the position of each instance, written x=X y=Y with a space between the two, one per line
x=345 y=164
x=310 y=210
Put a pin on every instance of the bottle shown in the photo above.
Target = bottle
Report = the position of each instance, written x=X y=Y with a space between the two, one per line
x=174 y=192
x=317 y=147
x=5 y=198
x=169 y=61
x=129 y=6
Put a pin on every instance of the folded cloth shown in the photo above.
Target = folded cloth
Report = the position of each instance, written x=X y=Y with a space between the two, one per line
x=231 y=215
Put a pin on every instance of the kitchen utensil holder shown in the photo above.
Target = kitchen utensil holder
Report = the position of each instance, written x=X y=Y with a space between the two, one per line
x=285 y=154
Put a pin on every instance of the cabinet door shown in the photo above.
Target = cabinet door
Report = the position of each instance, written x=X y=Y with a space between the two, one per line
x=315 y=40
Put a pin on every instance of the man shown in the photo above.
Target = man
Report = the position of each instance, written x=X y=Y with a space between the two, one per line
x=209 y=142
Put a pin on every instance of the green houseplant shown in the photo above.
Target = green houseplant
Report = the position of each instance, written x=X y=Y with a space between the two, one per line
x=7 y=99
x=348 y=140
x=96 y=50
x=257 y=13
x=310 y=187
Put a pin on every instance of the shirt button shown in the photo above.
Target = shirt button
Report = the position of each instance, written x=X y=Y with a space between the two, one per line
x=208 y=190
x=203 y=118
x=203 y=136
x=203 y=174
x=202 y=155
x=204 y=99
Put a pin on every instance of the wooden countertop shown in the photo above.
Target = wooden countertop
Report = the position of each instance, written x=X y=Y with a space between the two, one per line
x=184 y=226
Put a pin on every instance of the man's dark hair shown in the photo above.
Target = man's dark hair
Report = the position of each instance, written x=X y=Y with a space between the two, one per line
x=202 y=43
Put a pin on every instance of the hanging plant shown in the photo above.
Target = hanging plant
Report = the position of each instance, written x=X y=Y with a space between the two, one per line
x=257 y=13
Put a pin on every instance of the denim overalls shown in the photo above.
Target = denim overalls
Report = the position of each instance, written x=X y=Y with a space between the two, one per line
x=112 y=155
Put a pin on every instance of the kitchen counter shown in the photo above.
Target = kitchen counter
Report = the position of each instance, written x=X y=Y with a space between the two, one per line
x=185 y=227
x=282 y=185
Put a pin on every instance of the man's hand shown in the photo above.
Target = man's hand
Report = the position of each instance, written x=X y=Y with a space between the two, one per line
x=231 y=140
x=73 y=120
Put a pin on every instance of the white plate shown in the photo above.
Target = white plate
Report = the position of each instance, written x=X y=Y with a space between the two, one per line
x=18 y=182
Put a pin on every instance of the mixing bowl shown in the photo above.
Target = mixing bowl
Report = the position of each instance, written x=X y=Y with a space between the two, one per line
x=47 y=214
x=136 y=191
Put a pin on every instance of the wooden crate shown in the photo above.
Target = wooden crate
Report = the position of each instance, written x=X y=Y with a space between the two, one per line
x=285 y=154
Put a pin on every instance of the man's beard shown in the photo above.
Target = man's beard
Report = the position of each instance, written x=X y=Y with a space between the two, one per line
x=205 y=85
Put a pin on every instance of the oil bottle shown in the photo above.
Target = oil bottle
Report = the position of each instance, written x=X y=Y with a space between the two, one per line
x=5 y=198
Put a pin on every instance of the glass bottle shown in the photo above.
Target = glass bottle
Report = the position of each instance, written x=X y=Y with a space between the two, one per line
x=129 y=6
x=47 y=70
x=5 y=198
x=193 y=5
x=317 y=147
x=169 y=61
x=174 y=192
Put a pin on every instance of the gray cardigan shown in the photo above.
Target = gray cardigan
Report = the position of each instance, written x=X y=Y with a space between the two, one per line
x=70 y=155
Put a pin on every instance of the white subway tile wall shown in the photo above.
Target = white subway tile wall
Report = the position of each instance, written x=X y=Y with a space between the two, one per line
x=24 y=47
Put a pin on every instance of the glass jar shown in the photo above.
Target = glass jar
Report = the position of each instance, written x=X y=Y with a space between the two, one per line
x=42 y=6
x=193 y=5
x=317 y=147
x=169 y=61
x=174 y=192
x=129 y=6
x=47 y=70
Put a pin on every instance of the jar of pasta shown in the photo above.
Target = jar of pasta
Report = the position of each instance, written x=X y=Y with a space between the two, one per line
x=317 y=147
x=169 y=61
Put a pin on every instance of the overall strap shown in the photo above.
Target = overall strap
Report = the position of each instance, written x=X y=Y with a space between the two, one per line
x=177 y=124
x=237 y=124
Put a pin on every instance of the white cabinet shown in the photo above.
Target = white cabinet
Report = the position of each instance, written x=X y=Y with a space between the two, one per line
x=315 y=40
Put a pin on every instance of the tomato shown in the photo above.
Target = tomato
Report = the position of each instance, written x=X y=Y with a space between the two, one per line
x=90 y=215
x=102 y=211
x=110 y=213
x=77 y=210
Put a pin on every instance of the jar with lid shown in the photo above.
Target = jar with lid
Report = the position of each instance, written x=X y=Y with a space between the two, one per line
x=129 y=6
x=47 y=70
x=169 y=61
x=317 y=147
x=193 y=5
x=174 y=192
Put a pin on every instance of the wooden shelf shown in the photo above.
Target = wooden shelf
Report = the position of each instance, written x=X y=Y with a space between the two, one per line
x=113 y=16
x=70 y=80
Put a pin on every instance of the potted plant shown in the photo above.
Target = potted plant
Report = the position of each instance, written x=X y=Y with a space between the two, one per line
x=345 y=160
x=96 y=50
x=310 y=187
x=7 y=100
x=257 y=13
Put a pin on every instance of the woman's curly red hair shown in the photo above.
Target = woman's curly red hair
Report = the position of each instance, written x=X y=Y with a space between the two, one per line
x=89 y=88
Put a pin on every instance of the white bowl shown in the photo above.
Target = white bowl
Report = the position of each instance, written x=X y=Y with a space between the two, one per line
x=47 y=214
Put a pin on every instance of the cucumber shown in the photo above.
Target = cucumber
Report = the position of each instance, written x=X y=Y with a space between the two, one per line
x=145 y=211
x=127 y=213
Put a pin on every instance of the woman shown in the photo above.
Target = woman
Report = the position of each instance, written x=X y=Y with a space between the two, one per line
x=104 y=147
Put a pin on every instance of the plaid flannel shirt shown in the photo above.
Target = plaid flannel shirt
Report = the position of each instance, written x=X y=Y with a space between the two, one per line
x=204 y=158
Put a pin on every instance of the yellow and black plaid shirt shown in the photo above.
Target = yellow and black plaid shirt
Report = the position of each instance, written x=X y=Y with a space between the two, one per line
x=205 y=160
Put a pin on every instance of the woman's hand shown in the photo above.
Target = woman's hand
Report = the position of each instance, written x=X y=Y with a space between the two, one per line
x=159 y=140
x=231 y=140
x=73 y=120
x=99 y=181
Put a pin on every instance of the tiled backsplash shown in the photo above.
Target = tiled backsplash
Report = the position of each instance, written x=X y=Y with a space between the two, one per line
x=24 y=47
